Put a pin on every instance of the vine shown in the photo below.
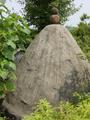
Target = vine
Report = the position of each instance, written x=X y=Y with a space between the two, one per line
x=14 y=36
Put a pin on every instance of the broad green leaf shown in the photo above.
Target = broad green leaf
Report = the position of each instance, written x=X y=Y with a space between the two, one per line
x=4 y=63
x=8 y=52
x=3 y=73
x=9 y=85
x=21 y=46
x=12 y=76
x=25 y=30
x=16 y=38
x=12 y=44
x=12 y=66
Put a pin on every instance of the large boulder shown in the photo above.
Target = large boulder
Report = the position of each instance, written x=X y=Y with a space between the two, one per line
x=53 y=67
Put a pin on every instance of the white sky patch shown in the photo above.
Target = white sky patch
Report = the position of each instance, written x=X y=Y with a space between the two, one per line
x=14 y=6
x=73 y=20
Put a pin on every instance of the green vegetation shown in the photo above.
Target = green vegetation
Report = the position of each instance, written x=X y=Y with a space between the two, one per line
x=38 y=11
x=1 y=118
x=65 y=111
x=14 y=36
x=82 y=35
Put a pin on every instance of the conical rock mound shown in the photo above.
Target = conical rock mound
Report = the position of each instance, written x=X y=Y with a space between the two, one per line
x=53 y=67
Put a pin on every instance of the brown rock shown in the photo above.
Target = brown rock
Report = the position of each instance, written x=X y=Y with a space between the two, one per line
x=54 y=19
x=54 y=11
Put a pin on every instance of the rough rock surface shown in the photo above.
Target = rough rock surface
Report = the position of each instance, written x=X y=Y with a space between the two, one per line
x=52 y=67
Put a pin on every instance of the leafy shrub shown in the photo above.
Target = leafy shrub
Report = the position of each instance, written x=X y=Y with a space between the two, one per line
x=66 y=111
x=44 y=111
x=82 y=34
x=1 y=118
x=14 y=36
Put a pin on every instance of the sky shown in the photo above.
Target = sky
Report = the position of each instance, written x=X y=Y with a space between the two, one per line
x=72 y=20
x=75 y=19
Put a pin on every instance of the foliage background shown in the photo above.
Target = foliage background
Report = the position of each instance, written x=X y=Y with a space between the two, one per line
x=38 y=11
x=81 y=34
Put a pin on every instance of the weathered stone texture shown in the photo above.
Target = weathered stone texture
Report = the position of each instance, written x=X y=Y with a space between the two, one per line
x=52 y=67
